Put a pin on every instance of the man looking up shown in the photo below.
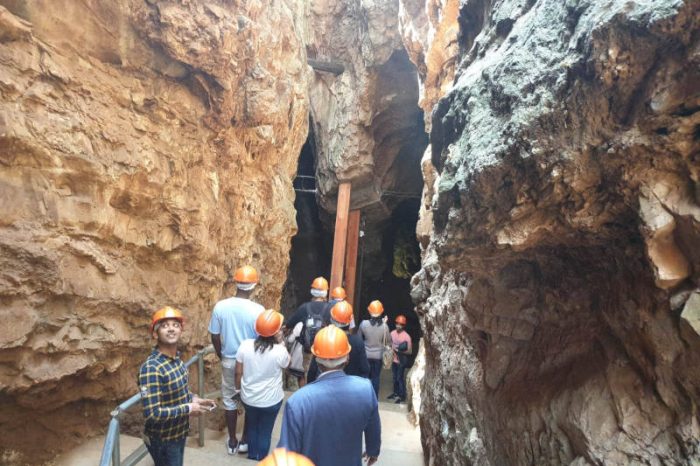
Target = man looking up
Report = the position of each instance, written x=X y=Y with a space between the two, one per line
x=165 y=394
x=232 y=321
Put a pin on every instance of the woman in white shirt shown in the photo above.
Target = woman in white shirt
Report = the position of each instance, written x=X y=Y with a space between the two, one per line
x=260 y=365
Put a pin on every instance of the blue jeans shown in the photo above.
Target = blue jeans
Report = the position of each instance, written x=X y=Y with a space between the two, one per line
x=168 y=453
x=260 y=422
x=398 y=371
x=375 y=370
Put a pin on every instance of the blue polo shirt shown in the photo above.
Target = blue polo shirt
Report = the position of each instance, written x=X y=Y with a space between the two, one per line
x=234 y=319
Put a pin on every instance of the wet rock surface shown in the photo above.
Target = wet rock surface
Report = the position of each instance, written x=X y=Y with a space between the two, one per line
x=147 y=149
x=560 y=265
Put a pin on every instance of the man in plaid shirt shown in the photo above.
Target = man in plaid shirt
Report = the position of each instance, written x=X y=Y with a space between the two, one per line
x=164 y=385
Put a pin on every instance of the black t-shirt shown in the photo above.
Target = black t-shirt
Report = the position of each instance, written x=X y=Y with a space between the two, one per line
x=303 y=312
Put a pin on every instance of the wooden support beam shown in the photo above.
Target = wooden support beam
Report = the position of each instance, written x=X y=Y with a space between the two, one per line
x=341 y=234
x=327 y=66
x=351 y=256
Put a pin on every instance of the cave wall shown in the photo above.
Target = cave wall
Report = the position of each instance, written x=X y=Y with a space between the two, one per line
x=561 y=217
x=368 y=127
x=147 y=149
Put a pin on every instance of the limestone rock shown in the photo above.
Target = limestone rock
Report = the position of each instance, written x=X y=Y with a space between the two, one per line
x=563 y=232
x=367 y=125
x=147 y=149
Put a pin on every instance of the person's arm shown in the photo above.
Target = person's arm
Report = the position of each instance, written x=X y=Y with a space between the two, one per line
x=291 y=436
x=298 y=316
x=313 y=371
x=373 y=433
x=215 y=331
x=364 y=363
x=216 y=341
x=284 y=357
x=409 y=347
x=149 y=384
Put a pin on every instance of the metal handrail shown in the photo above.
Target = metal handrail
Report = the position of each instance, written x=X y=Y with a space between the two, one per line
x=110 y=450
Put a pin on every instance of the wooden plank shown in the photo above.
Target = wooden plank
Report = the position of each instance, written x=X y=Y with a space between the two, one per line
x=351 y=256
x=341 y=234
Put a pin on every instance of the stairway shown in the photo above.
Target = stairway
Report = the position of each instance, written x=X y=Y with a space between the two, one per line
x=400 y=442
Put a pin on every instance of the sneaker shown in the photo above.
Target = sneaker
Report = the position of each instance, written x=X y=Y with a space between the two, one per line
x=391 y=397
x=400 y=400
x=242 y=447
x=232 y=450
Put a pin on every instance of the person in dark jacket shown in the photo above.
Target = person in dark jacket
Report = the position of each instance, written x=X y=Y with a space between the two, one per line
x=341 y=316
x=311 y=315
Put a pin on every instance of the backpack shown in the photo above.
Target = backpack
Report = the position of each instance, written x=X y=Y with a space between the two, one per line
x=312 y=324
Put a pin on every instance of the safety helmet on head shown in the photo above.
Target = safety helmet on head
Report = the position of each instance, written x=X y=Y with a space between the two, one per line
x=338 y=293
x=320 y=283
x=330 y=343
x=166 y=313
x=342 y=313
x=269 y=323
x=400 y=319
x=246 y=274
x=283 y=457
x=375 y=308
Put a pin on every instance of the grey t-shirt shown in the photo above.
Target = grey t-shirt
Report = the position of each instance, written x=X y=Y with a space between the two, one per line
x=375 y=337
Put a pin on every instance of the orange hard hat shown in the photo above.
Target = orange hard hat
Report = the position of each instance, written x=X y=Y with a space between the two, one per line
x=338 y=293
x=269 y=323
x=166 y=313
x=330 y=343
x=320 y=283
x=400 y=319
x=282 y=457
x=375 y=308
x=342 y=312
x=246 y=274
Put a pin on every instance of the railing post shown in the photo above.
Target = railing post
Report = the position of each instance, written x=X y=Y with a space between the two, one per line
x=200 y=389
x=116 y=460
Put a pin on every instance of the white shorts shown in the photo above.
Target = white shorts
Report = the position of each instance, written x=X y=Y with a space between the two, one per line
x=228 y=383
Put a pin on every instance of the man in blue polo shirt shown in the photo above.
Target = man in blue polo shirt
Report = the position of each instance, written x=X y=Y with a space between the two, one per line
x=232 y=321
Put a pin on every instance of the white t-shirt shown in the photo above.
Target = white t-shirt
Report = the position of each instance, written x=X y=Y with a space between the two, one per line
x=261 y=384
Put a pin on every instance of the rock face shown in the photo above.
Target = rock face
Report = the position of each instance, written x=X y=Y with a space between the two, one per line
x=146 y=150
x=560 y=255
x=368 y=127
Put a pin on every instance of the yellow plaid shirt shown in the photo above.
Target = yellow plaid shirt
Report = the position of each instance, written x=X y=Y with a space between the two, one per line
x=164 y=385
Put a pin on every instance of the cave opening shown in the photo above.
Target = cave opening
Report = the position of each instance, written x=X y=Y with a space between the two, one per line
x=312 y=246
x=388 y=198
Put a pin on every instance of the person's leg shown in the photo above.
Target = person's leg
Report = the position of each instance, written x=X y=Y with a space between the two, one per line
x=154 y=449
x=394 y=373
x=402 y=383
x=228 y=391
x=267 y=422
x=375 y=370
x=174 y=452
x=252 y=426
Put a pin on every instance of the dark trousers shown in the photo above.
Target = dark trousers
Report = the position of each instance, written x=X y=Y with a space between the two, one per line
x=260 y=422
x=168 y=453
x=375 y=370
x=399 y=373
